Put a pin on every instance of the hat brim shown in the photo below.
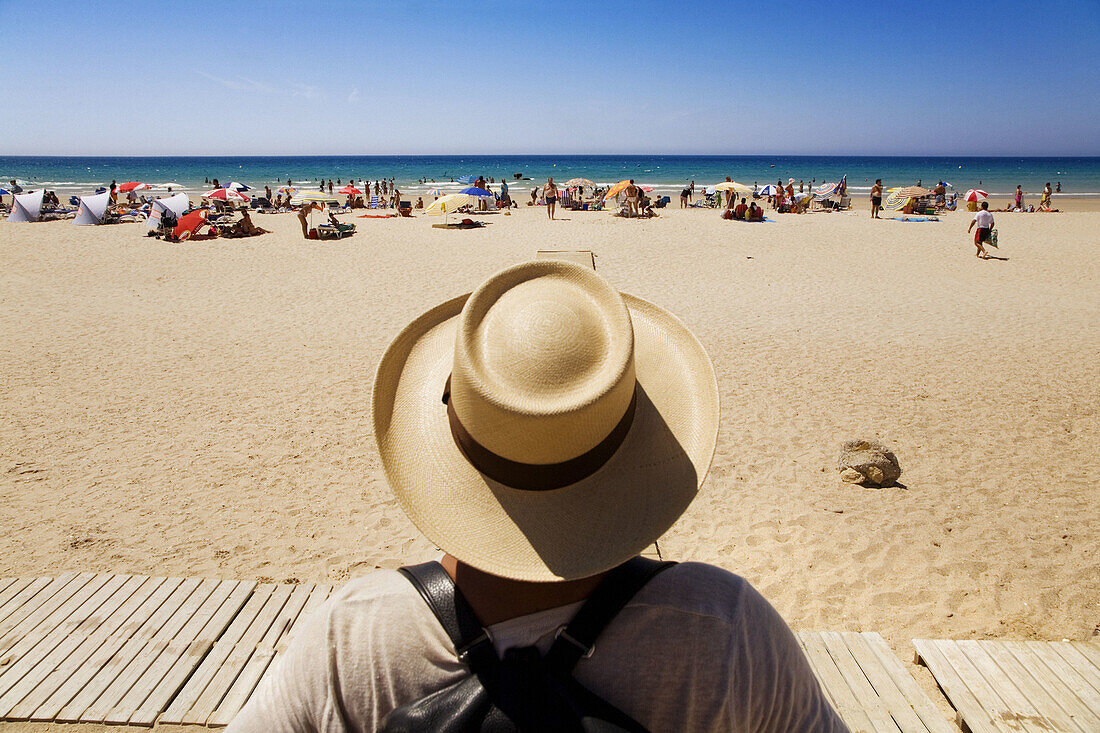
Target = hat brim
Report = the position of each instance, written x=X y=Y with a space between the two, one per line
x=562 y=534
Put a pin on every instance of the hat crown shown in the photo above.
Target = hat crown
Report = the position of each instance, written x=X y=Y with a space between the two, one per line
x=544 y=362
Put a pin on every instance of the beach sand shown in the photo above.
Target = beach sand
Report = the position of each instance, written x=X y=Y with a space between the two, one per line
x=204 y=408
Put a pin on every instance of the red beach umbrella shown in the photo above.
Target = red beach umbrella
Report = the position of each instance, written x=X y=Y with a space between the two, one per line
x=133 y=186
x=188 y=223
x=225 y=194
x=349 y=190
x=976 y=194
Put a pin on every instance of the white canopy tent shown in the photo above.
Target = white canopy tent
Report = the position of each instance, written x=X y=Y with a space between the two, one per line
x=176 y=204
x=92 y=209
x=26 y=206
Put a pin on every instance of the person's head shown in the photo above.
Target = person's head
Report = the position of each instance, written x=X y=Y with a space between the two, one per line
x=985 y=205
x=742 y=200
x=631 y=181
x=545 y=427
x=550 y=179
x=878 y=180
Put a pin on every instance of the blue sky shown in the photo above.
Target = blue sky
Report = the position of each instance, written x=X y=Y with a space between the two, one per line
x=413 y=77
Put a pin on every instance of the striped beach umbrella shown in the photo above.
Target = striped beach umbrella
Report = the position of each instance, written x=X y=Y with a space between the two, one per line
x=770 y=190
x=224 y=194
x=579 y=182
x=287 y=190
x=311 y=197
x=445 y=205
x=896 y=200
x=976 y=195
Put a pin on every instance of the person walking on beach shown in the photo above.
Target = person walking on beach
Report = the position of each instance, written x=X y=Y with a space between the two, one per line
x=984 y=220
x=1045 y=201
x=1019 y=198
x=876 y=198
x=550 y=194
x=575 y=427
x=684 y=195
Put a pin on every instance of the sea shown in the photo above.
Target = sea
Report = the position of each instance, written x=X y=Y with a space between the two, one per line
x=420 y=175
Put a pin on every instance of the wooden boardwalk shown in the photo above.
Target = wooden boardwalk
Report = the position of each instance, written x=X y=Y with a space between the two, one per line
x=869 y=686
x=1015 y=686
x=87 y=647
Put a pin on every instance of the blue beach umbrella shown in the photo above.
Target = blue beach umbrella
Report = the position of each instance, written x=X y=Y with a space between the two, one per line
x=468 y=180
x=5 y=192
x=479 y=192
x=769 y=190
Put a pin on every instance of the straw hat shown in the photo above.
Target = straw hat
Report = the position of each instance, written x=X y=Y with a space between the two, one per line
x=545 y=426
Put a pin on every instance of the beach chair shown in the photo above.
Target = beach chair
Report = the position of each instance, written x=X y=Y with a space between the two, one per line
x=405 y=208
x=373 y=203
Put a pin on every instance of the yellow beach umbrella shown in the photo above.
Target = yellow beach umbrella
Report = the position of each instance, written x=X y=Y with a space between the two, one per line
x=732 y=186
x=448 y=204
x=617 y=189
x=309 y=197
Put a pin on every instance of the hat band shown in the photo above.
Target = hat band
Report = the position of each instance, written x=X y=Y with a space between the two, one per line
x=538 y=476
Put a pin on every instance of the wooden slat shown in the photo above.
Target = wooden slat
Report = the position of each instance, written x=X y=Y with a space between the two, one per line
x=11 y=589
x=107 y=675
x=35 y=608
x=901 y=709
x=231 y=667
x=1080 y=663
x=104 y=709
x=1033 y=658
x=881 y=720
x=20 y=678
x=198 y=682
x=996 y=709
x=87 y=644
x=844 y=699
x=28 y=591
x=1026 y=682
x=204 y=602
x=4 y=583
x=1022 y=713
x=813 y=667
x=37 y=626
x=77 y=676
x=261 y=658
x=193 y=654
x=1069 y=677
x=954 y=687
x=1090 y=650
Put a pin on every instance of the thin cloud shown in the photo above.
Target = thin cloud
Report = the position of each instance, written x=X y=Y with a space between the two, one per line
x=245 y=84
x=354 y=96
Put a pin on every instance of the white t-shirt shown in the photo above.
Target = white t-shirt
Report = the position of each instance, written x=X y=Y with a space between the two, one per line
x=697 y=649
x=984 y=219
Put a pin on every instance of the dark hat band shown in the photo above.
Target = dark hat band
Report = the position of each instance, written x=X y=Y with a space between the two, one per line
x=538 y=476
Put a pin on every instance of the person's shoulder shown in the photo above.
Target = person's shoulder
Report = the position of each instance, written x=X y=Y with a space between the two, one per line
x=699 y=589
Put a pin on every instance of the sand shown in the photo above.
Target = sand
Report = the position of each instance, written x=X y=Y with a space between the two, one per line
x=203 y=408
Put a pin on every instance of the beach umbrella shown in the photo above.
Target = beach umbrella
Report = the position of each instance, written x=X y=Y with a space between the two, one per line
x=770 y=190
x=912 y=191
x=437 y=192
x=976 y=195
x=579 y=182
x=826 y=189
x=133 y=186
x=309 y=197
x=225 y=194
x=480 y=193
x=188 y=223
x=287 y=190
x=732 y=186
x=616 y=189
x=237 y=186
x=351 y=190
x=895 y=201
x=645 y=188
x=447 y=205
x=5 y=192
x=468 y=180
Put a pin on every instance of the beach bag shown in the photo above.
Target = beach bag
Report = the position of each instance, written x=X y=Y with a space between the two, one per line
x=993 y=238
x=524 y=691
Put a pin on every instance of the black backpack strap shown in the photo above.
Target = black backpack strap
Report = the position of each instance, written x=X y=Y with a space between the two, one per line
x=471 y=640
x=578 y=638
